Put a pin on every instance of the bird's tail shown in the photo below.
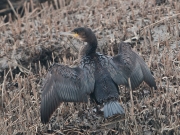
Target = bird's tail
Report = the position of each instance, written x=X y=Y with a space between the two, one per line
x=111 y=108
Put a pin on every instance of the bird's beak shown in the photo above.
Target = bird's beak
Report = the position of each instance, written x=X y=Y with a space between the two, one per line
x=75 y=35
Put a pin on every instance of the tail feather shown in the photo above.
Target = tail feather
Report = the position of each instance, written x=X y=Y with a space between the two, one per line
x=111 y=108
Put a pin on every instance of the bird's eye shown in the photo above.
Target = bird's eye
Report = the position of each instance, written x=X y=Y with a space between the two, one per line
x=75 y=31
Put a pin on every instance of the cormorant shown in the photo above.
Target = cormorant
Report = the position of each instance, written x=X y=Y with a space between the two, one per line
x=96 y=75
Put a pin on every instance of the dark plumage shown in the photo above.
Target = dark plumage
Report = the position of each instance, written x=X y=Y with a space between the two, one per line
x=96 y=75
x=130 y=65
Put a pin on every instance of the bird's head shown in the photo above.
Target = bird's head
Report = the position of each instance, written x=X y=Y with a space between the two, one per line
x=82 y=33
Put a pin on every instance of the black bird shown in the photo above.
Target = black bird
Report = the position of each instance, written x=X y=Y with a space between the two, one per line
x=96 y=75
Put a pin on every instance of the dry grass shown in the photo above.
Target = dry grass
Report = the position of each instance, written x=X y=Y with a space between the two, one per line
x=31 y=43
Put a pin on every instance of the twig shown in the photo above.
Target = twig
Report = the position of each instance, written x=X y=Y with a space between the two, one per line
x=5 y=10
x=3 y=84
x=109 y=123
x=4 y=24
x=22 y=69
x=132 y=102
x=12 y=8
x=169 y=17
x=15 y=96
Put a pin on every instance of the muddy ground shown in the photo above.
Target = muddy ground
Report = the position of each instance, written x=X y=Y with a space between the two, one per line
x=29 y=45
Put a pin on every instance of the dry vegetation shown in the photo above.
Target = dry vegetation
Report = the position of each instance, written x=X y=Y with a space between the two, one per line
x=31 y=43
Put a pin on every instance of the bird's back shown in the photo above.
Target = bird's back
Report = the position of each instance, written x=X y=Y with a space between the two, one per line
x=105 y=89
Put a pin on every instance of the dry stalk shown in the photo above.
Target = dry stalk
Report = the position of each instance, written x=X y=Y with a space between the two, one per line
x=160 y=21
x=12 y=8
x=152 y=50
x=132 y=101
x=3 y=84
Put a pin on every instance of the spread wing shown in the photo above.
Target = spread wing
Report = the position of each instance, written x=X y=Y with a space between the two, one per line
x=67 y=84
x=147 y=75
x=128 y=64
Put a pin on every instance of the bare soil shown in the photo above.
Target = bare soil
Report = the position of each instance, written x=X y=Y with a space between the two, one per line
x=30 y=44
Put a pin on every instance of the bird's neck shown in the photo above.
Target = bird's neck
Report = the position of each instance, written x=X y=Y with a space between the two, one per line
x=91 y=47
x=87 y=50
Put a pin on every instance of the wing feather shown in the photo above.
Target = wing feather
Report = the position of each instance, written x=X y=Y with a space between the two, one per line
x=128 y=64
x=148 y=78
x=115 y=70
x=67 y=84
